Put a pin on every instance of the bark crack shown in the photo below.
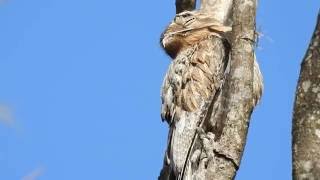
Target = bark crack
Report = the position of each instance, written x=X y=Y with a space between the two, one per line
x=221 y=155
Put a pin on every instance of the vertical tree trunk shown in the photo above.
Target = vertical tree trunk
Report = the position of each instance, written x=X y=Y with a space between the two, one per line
x=237 y=98
x=221 y=135
x=306 y=118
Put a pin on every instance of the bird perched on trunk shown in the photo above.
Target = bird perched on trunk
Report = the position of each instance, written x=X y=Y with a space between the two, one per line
x=195 y=75
x=188 y=37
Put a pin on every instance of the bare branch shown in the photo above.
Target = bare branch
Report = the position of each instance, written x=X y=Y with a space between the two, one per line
x=185 y=5
x=306 y=124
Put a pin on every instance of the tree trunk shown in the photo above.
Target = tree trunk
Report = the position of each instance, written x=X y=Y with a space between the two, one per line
x=217 y=146
x=306 y=118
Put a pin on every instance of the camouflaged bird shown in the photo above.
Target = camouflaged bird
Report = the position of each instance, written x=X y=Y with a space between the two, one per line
x=194 y=76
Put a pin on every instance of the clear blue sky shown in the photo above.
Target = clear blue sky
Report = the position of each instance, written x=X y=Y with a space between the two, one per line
x=80 y=88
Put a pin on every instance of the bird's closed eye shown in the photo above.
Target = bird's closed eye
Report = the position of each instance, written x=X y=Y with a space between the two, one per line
x=188 y=21
x=184 y=18
x=186 y=15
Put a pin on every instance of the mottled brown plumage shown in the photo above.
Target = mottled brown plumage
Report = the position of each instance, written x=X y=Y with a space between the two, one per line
x=188 y=28
x=194 y=76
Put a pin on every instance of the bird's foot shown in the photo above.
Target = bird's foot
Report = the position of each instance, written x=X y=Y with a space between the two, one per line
x=208 y=142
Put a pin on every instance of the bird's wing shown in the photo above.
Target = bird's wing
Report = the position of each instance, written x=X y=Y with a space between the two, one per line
x=192 y=78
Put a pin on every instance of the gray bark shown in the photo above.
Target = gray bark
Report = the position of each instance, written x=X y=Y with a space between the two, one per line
x=240 y=82
x=219 y=142
x=237 y=97
x=306 y=118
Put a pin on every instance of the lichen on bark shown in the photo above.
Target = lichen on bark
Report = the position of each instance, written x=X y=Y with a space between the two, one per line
x=306 y=117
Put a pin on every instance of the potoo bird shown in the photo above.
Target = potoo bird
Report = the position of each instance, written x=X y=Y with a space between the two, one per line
x=194 y=75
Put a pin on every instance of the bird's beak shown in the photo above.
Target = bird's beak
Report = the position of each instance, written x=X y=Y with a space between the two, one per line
x=164 y=41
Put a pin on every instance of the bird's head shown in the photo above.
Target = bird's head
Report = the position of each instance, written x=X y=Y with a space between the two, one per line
x=185 y=18
x=172 y=40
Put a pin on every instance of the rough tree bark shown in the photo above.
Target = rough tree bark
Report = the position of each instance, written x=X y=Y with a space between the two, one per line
x=237 y=98
x=218 y=143
x=306 y=118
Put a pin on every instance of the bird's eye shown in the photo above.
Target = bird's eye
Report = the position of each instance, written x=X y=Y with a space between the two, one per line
x=189 y=21
x=186 y=15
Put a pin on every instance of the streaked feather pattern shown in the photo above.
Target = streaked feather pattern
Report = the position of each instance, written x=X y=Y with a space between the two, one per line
x=193 y=77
